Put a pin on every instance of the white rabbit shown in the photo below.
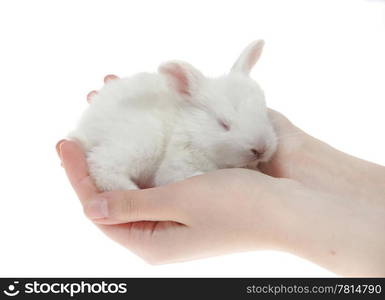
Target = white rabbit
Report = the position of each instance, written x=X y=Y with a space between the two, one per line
x=153 y=129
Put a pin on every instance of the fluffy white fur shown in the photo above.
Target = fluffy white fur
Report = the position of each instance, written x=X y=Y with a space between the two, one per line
x=154 y=129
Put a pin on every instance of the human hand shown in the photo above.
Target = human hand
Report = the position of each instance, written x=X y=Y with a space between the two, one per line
x=220 y=212
x=321 y=167
x=233 y=210
x=237 y=210
x=152 y=222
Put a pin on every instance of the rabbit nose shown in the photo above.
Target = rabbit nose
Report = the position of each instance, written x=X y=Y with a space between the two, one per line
x=257 y=153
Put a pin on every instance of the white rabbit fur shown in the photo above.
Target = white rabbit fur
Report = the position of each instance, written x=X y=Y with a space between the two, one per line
x=153 y=129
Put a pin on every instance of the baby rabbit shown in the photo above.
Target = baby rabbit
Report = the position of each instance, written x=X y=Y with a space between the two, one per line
x=153 y=129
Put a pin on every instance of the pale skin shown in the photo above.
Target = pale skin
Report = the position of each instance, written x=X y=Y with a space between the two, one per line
x=311 y=200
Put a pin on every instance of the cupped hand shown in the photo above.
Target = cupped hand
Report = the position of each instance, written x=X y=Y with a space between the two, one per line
x=219 y=212
x=235 y=210
x=223 y=211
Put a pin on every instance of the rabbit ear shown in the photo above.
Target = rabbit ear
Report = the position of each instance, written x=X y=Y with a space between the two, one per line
x=182 y=77
x=248 y=58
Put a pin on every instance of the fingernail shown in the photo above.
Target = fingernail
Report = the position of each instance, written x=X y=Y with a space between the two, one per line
x=90 y=95
x=109 y=77
x=97 y=208
x=58 y=147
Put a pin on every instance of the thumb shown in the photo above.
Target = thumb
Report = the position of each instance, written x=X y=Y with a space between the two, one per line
x=154 y=204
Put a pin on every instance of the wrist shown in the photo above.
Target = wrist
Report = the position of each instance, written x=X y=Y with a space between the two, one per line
x=324 y=168
x=334 y=232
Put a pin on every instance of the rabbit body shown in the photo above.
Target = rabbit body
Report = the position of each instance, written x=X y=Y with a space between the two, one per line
x=133 y=135
x=153 y=129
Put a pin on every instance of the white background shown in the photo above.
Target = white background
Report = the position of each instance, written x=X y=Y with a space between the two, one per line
x=323 y=66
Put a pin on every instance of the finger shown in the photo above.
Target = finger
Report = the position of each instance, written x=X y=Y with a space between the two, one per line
x=90 y=95
x=58 y=150
x=58 y=147
x=155 y=204
x=75 y=164
x=109 y=77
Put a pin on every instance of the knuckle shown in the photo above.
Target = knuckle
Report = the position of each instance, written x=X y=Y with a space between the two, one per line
x=121 y=205
x=128 y=206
